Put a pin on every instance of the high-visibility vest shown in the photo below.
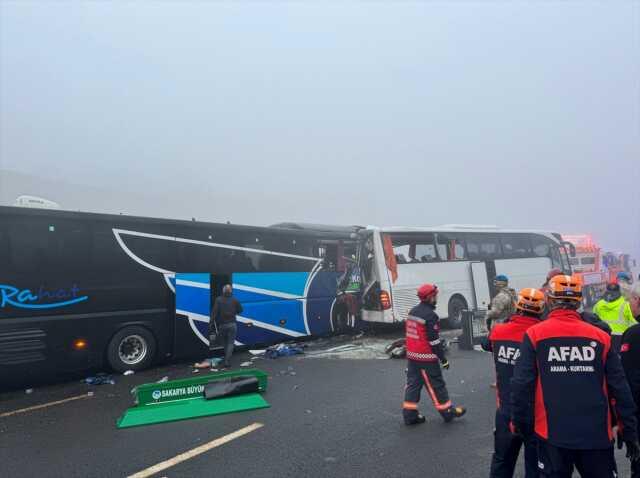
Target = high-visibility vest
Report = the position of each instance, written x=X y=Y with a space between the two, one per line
x=616 y=314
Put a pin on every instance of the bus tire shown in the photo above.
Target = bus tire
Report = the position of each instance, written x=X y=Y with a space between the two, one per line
x=131 y=348
x=456 y=305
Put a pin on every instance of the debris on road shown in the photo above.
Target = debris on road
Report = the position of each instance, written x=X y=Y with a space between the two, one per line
x=195 y=397
x=208 y=363
x=128 y=372
x=283 y=350
x=100 y=379
x=163 y=379
x=246 y=364
x=396 y=349
x=258 y=351
x=360 y=349
x=29 y=391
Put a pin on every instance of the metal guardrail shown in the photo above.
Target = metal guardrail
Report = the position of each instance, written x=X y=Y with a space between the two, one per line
x=474 y=329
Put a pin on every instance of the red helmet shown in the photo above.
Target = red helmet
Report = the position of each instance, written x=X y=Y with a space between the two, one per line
x=426 y=291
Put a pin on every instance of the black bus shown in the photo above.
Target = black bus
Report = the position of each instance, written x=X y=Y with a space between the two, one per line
x=81 y=291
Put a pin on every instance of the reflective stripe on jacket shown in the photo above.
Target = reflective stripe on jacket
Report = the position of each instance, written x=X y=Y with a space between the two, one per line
x=616 y=313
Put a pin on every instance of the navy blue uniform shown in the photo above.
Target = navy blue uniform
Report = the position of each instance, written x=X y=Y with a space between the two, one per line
x=424 y=351
x=567 y=372
x=630 y=355
x=504 y=341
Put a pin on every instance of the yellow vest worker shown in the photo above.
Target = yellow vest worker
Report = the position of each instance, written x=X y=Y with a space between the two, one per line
x=615 y=311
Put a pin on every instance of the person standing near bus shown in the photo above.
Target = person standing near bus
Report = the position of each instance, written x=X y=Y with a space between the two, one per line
x=425 y=354
x=614 y=309
x=503 y=304
x=567 y=373
x=223 y=315
x=504 y=341
x=630 y=355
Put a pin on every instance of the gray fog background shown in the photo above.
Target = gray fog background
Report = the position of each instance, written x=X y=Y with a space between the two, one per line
x=387 y=113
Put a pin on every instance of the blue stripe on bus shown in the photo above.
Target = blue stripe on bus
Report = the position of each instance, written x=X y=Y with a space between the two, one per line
x=193 y=299
x=287 y=282
x=195 y=277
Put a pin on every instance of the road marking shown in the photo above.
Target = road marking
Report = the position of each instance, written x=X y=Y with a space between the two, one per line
x=196 y=451
x=44 y=405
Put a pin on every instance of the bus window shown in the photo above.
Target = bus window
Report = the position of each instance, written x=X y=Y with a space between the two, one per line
x=450 y=247
x=482 y=247
x=544 y=247
x=414 y=249
x=515 y=245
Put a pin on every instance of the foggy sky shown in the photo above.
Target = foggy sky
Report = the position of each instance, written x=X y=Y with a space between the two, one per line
x=396 y=113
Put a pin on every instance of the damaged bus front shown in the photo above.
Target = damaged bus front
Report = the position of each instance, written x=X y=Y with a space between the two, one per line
x=461 y=260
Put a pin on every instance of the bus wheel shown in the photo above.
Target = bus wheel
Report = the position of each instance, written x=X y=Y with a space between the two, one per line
x=132 y=348
x=456 y=305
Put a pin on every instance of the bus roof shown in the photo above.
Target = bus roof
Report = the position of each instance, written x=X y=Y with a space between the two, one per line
x=336 y=232
x=462 y=228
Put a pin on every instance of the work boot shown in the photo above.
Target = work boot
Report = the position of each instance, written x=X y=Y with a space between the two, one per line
x=415 y=421
x=453 y=412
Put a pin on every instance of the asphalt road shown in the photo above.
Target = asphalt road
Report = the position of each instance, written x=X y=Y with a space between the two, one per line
x=334 y=417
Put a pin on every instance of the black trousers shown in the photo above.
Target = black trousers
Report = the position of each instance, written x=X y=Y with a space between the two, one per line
x=507 y=448
x=635 y=465
x=428 y=375
x=559 y=462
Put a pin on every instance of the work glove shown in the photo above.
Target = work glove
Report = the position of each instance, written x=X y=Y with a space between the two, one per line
x=445 y=364
x=633 y=450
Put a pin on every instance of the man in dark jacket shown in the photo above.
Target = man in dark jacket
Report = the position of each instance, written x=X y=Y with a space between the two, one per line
x=223 y=321
x=567 y=372
x=504 y=341
x=425 y=353
x=630 y=354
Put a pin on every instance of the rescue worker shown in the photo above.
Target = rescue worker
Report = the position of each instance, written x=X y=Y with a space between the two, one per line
x=550 y=275
x=615 y=311
x=502 y=304
x=504 y=341
x=626 y=282
x=568 y=371
x=425 y=353
x=630 y=355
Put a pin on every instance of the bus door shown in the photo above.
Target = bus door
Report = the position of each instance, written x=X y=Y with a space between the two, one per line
x=481 y=285
x=193 y=306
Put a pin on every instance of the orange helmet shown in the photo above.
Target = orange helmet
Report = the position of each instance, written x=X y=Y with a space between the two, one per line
x=565 y=288
x=530 y=300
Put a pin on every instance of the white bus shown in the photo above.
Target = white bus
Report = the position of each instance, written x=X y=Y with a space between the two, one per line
x=461 y=260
